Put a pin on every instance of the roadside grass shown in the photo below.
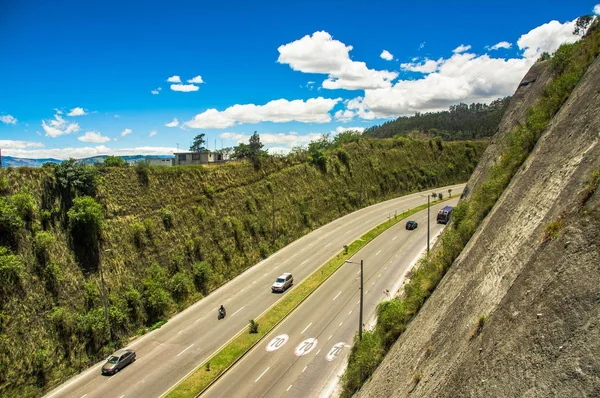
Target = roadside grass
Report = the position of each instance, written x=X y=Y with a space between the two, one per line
x=240 y=344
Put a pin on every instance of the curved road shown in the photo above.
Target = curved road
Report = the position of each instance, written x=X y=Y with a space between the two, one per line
x=168 y=354
x=303 y=356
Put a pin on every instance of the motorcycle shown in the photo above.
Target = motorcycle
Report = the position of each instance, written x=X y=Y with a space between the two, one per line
x=221 y=314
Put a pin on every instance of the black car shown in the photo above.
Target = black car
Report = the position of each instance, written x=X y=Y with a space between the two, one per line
x=411 y=225
x=118 y=361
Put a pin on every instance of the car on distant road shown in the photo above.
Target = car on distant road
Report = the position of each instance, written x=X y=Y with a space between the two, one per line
x=118 y=361
x=411 y=225
x=284 y=281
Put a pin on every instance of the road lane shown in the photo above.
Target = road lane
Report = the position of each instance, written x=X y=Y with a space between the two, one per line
x=159 y=367
x=332 y=312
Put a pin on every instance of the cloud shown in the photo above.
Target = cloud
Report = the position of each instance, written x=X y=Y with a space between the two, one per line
x=341 y=129
x=8 y=119
x=174 y=79
x=428 y=66
x=422 y=45
x=117 y=116
x=546 y=38
x=59 y=126
x=10 y=144
x=86 y=152
x=386 y=55
x=464 y=77
x=461 y=49
x=77 y=112
x=174 y=123
x=502 y=44
x=313 y=110
x=597 y=9
x=157 y=91
x=291 y=139
x=153 y=133
x=344 y=115
x=320 y=53
x=126 y=132
x=197 y=80
x=92 y=136
x=184 y=87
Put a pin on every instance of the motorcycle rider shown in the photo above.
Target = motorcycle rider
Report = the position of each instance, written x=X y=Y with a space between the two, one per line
x=222 y=311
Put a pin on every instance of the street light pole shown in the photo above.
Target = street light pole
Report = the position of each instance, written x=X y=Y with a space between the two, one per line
x=360 y=319
x=104 y=293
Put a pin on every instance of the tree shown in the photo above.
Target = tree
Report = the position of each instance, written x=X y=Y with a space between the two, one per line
x=115 y=161
x=581 y=24
x=255 y=148
x=198 y=145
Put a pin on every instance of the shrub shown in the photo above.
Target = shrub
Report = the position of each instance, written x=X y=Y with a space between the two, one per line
x=479 y=327
x=253 y=327
x=11 y=270
x=142 y=169
x=344 y=157
x=138 y=232
x=115 y=161
x=76 y=179
x=167 y=217
x=181 y=285
x=85 y=220
x=42 y=242
x=3 y=185
x=552 y=230
x=10 y=221
x=156 y=298
x=202 y=275
x=365 y=355
x=46 y=218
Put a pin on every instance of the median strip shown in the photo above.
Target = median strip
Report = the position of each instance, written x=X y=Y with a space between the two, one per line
x=210 y=370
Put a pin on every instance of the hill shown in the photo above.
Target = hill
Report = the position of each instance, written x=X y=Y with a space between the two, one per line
x=9 y=161
x=517 y=312
x=460 y=122
x=167 y=236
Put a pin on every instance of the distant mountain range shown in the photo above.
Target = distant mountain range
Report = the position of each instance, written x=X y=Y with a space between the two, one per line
x=9 y=161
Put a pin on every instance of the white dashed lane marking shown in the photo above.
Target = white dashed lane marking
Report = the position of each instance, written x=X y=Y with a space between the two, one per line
x=304 y=262
x=378 y=252
x=304 y=368
x=190 y=346
x=237 y=311
x=262 y=374
x=336 y=296
x=306 y=328
x=394 y=238
x=288 y=389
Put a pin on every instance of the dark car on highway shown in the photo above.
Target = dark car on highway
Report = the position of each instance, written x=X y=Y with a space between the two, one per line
x=411 y=225
x=118 y=361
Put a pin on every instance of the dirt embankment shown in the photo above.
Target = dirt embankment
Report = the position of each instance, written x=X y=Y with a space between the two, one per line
x=538 y=293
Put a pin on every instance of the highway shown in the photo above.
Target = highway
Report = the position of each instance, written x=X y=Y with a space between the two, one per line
x=303 y=356
x=168 y=354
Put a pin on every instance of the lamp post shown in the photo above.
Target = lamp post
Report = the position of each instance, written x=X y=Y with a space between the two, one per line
x=360 y=319
x=104 y=301
x=428 y=214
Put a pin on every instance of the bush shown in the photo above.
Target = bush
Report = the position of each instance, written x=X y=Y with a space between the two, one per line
x=76 y=179
x=25 y=204
x=202 y=276
x=85 y=219
x=253 y=327
x=3 y=185
x=552 y=230
x=156 y=298
x=142 y=169
x=11 y=270
x=10 y=221
x=167 y=217
x=181 y=285
x=365 y=355
x=115 y=161
x=138 y=232
x=42 y=242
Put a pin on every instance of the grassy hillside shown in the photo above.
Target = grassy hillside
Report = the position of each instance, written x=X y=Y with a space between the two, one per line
x=167 y=236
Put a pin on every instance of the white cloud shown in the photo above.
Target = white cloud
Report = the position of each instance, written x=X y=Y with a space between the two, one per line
x=422 y=45
x=461 y=49
x=502 y=44
x=126 y=132
x=184 y=87
x=174 y=123
x=341 y=129
x=344 y=115
x=157 y=91
x=174 y=79
x=597 y=9
x=10 y=144
x=85 y=152
x=546 y=38
x=386 y=55
x=428 y=66
x=464 y=77
x=77 y=112
x=92 y=136
x=59 y=126
x=197 y=80
x=8 y=119
x=291 y=139
x=154 y=132
x=320 y=53
x=313 y=110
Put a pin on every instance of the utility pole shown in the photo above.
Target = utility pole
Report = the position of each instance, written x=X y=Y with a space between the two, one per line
x=428 y=197
x=360 y=320
x=105 y=302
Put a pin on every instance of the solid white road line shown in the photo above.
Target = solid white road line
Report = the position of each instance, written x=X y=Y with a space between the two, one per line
x=185 y=349
x=237 y=311
x=378 y=252
x=262 y=374
x=336 y=296
x=306 y=328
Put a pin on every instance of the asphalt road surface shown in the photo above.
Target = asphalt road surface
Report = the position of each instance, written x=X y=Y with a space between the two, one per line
x=303 y=356
x=168 y=354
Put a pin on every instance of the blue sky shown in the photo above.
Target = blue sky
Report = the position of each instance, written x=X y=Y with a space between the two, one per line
x=96 y=77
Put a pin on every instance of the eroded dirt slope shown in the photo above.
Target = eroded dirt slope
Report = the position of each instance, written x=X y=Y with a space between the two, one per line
x=541 y=295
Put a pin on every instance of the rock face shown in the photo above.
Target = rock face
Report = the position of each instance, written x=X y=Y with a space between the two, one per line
x=541 y=296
